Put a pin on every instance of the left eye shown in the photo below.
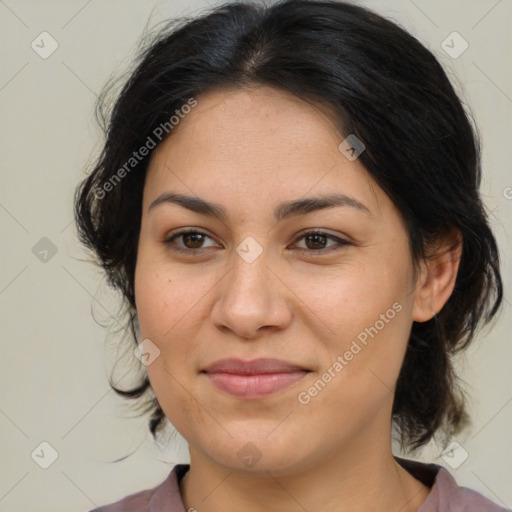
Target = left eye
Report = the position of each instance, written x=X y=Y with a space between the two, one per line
x=315 y=241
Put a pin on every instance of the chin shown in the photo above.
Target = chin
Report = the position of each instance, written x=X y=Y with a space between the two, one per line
x=258 y=454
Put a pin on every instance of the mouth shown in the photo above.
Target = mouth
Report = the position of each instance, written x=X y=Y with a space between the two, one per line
x=253 y=379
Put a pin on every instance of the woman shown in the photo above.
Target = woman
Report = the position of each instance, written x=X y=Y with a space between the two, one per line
x=288 y=201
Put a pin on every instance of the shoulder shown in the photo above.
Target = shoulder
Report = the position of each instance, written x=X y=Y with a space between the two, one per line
x=454 y=498
x=445 y=494
x=138 y=502
x=165 y=496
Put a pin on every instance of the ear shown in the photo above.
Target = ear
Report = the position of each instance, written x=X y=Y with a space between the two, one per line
x=437 y=276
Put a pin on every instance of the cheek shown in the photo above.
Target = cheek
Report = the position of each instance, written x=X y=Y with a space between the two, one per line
x=358 y=382
x=165 y=308
x=177 y=399
x=367 y=309
x=351 y=297
x=164 y=297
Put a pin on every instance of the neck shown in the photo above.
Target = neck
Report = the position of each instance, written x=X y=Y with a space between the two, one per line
x=362 y=478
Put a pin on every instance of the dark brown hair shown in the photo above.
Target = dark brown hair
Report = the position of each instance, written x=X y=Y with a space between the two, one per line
x=382 y=85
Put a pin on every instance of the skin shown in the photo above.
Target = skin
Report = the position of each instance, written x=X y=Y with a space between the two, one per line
x=249 y=150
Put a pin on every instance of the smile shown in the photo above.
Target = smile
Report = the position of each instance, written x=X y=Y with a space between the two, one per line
x=256 y=385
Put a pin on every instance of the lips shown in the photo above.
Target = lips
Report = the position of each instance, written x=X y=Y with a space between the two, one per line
x=254 y=367
x=253 y=379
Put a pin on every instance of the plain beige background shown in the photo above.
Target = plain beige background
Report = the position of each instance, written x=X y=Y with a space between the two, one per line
x=54 y=385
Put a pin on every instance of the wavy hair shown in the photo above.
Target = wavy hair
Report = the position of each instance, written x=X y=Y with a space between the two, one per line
x=379 y=83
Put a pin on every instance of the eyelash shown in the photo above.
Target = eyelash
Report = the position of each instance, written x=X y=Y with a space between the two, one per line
x=340 y=242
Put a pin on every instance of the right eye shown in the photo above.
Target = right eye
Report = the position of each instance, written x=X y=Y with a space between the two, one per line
x=192 y=241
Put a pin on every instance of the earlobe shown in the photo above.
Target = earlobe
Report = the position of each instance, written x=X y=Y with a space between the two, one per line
x=437 y=277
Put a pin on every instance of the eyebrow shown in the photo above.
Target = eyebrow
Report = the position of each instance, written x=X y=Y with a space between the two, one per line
x=282 y=211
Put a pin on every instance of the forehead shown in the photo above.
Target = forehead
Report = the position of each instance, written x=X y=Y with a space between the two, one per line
x=238 y=142
x=253 y=120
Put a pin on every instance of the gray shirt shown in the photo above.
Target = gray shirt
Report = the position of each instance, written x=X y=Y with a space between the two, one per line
x=445 y=495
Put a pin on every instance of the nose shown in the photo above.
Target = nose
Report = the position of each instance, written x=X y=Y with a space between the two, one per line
x=252 y=300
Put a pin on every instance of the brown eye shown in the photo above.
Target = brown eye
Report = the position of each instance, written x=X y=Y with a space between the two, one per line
x=316 y=241
x=189 y=241
x=193 y=240
x=320 y=242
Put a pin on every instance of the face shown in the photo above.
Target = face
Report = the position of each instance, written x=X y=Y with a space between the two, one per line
x=302 y=259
